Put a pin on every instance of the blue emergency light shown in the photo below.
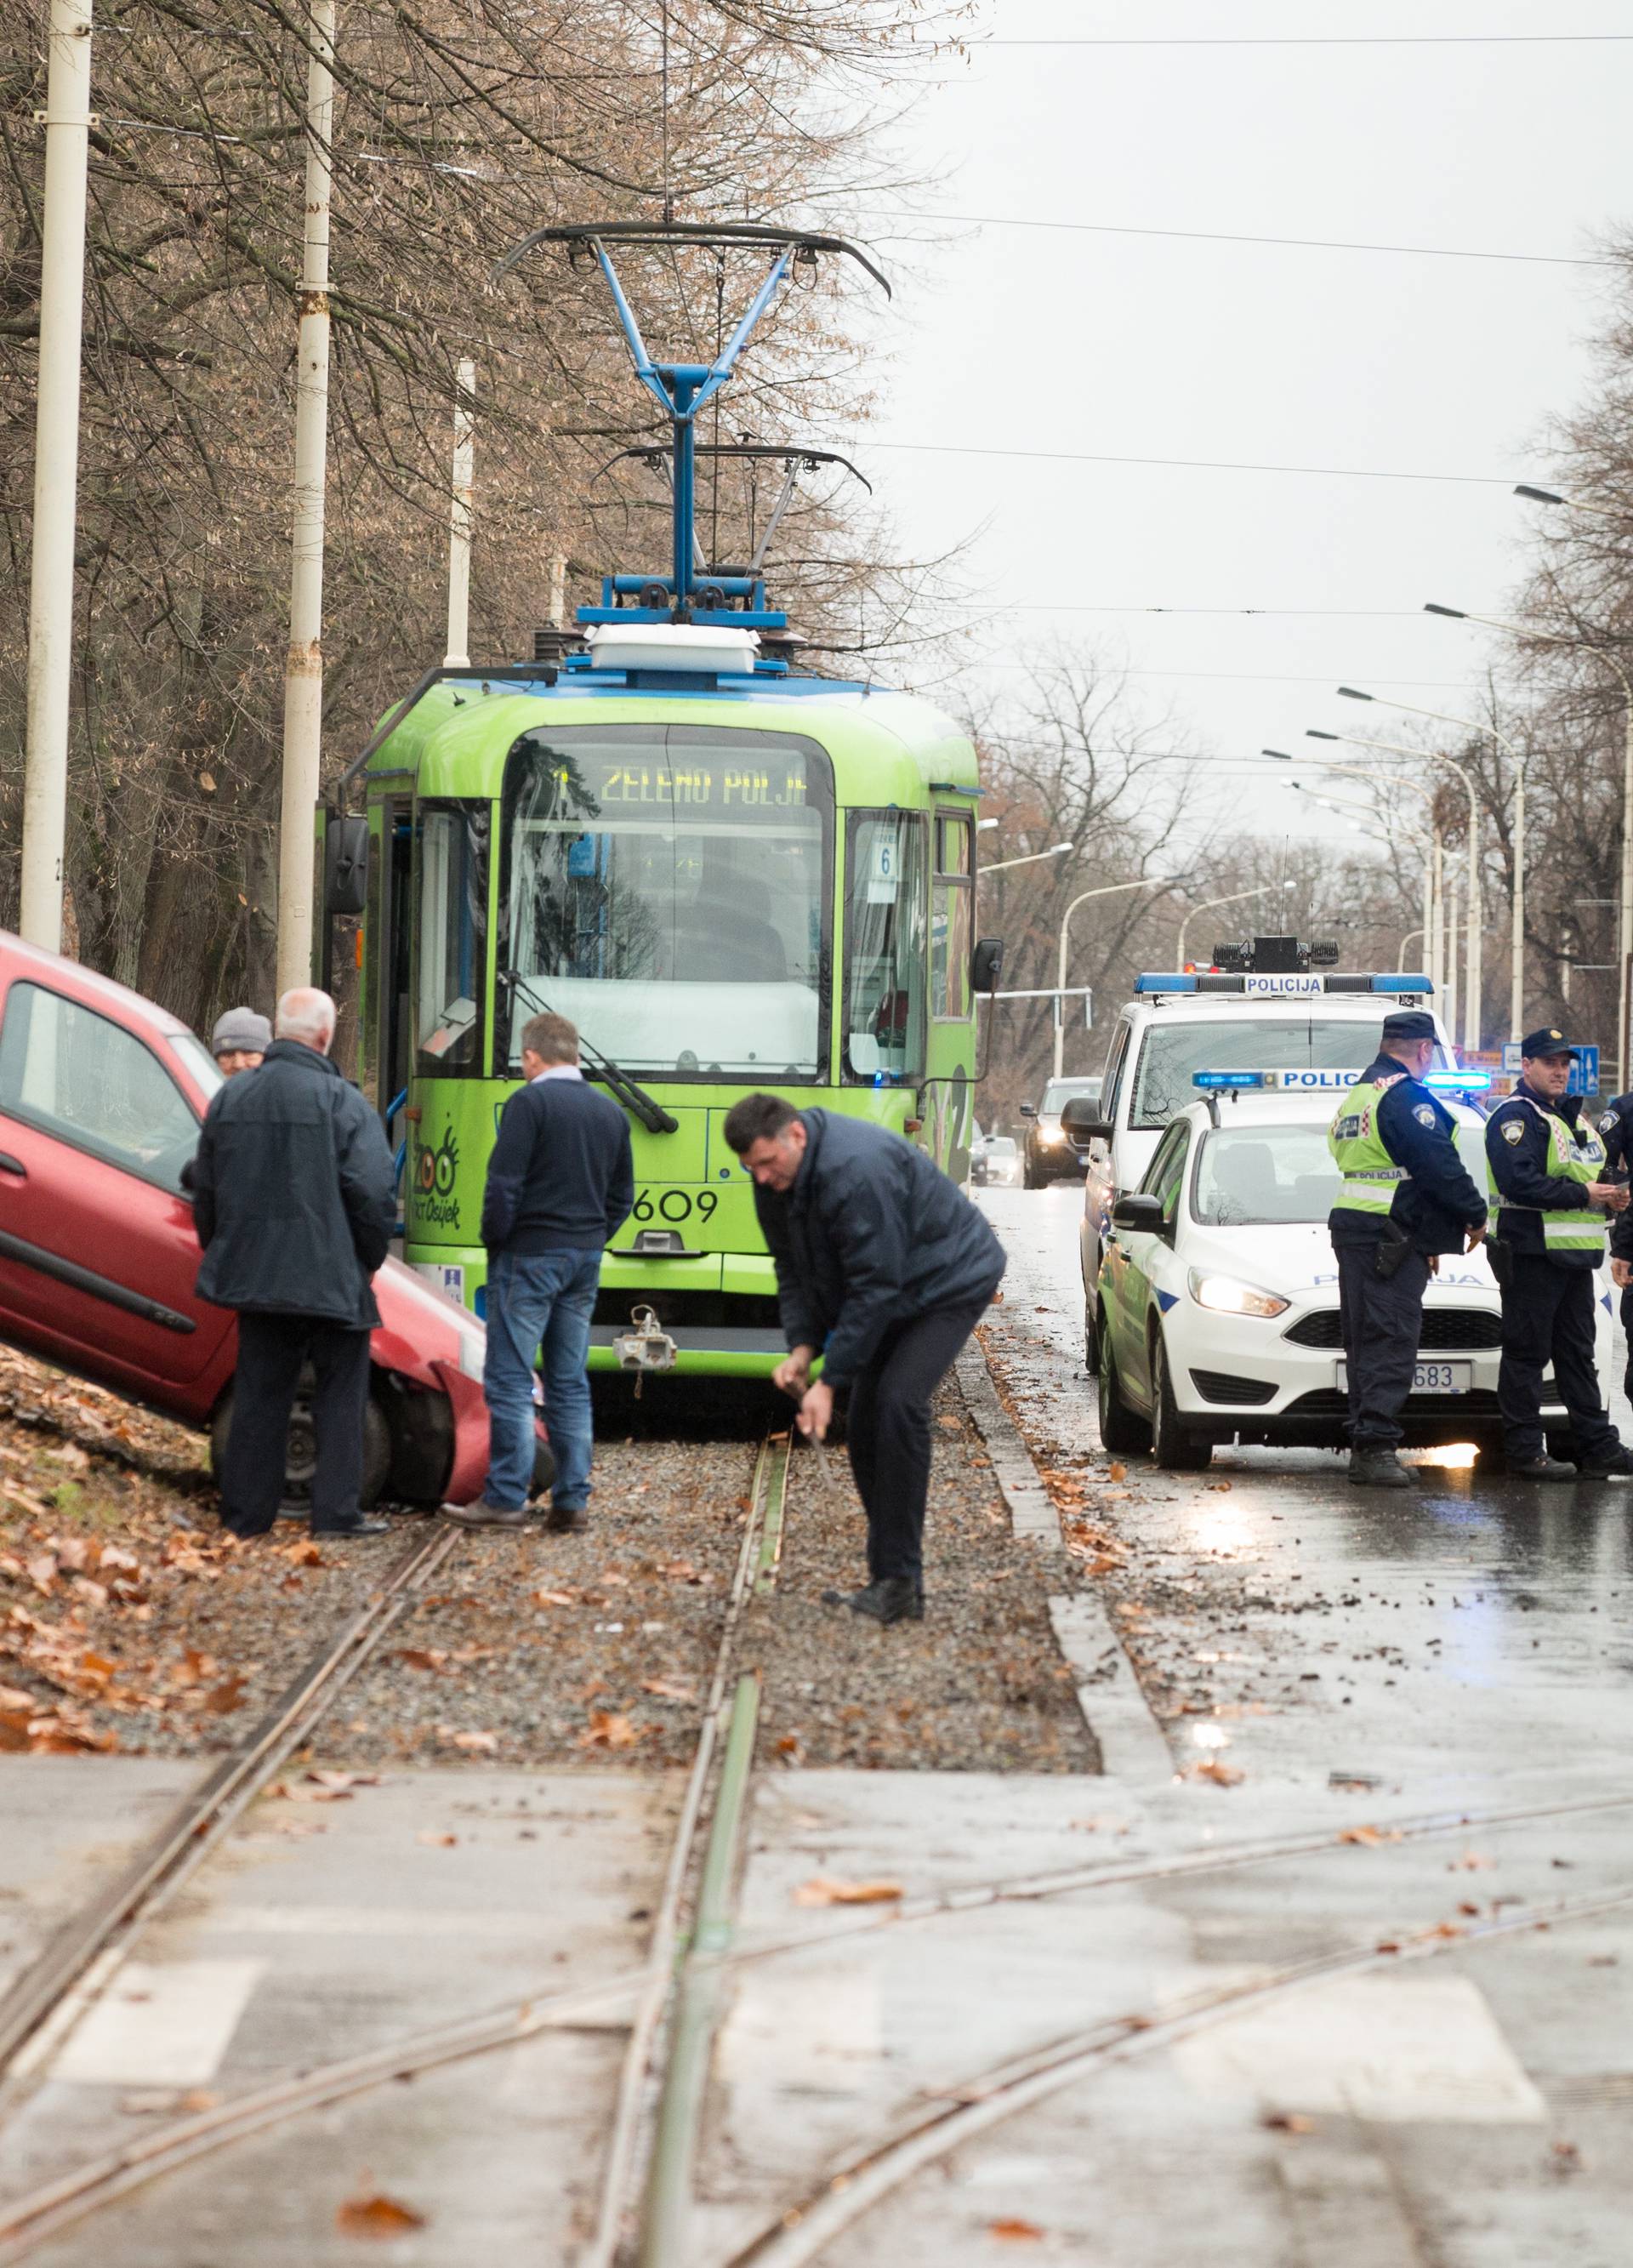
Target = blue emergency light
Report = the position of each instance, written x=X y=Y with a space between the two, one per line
x=1458 y=1082
x=1210 y=1080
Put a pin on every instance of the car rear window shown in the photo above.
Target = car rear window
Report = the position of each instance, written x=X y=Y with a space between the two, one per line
x=94 y=1085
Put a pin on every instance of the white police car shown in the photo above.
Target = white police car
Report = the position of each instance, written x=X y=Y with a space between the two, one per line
x=1215 y=1303
x=1296 y=1023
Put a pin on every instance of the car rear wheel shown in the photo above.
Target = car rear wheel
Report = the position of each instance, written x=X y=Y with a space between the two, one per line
x=1121 y=1428
x=1175 y=1447
x=300 y=1454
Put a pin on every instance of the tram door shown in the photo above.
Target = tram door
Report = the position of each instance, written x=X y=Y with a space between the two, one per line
x=391 y=826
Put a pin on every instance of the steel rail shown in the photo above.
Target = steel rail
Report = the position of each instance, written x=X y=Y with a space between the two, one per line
x=29 y=2220
x=853 y=2185
x=204 y=1815
x=618 y=2168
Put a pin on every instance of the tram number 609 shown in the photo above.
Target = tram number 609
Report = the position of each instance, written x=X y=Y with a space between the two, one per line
x=674 y=1205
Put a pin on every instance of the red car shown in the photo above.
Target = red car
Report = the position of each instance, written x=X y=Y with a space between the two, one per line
x=101 y=1094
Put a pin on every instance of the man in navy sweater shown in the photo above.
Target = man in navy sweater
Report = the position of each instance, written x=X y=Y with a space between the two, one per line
x=560 y=1183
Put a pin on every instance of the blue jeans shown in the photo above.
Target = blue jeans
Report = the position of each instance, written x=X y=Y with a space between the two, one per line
x=538 y=1300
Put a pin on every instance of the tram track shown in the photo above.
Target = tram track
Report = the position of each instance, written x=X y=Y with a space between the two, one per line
x=56 y=1986
x=29 y=2221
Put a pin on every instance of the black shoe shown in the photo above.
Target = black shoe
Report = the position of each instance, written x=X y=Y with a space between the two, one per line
x=1377 y=1469
x=366 y=1523
x=892 y=1599
x=1617 y=1467
x=1542 y=1468
x=486 y=1515
x=567 y=1520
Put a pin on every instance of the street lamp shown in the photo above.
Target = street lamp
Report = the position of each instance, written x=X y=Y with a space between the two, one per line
x=1624 y=927
x=1058 y=850
x=1433 y=922
x=1471 y=1004
x=1207 y=907
x=1106 y=890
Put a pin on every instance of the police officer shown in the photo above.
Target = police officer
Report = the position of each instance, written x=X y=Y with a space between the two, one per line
x=1404 y=1198
x=1615 y=1132
x=1547 y=1172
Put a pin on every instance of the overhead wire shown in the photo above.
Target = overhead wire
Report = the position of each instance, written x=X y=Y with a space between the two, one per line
x=1184 y=464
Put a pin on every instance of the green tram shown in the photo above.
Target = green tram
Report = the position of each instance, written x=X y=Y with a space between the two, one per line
x=729 y=875
x=756 y=881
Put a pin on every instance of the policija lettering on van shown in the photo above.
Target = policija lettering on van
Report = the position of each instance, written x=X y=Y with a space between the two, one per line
x=436 y=1172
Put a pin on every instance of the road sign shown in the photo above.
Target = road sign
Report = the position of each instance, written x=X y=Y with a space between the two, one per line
x=1584 y=1073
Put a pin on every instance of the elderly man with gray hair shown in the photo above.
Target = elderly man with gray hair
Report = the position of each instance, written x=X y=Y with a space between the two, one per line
x=294 y=1199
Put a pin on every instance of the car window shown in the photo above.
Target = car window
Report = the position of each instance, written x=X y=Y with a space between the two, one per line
x=1172 y=1052
x=1113 y=1079
x=1060 y=1092
x=94 y=1085
x=1248 y=1175
x=1167 y=1170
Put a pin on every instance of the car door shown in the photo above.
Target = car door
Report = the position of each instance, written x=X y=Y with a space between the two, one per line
x=1097 y=1187
x=97 y=1252
x=1141 y=1251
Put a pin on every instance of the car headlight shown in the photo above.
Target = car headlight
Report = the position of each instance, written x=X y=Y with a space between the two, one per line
x=1049 y=1133
x=1230 y=1298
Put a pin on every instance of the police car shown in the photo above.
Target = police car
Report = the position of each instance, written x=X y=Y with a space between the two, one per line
x=1216 y=1302
x=1300 y=1022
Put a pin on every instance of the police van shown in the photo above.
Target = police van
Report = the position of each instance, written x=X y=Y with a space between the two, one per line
x=1300 y=1022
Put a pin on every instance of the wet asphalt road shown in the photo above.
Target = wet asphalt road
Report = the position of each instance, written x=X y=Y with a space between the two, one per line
x=1473 y=1624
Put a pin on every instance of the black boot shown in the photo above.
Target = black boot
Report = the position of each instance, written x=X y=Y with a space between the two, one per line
x=891 y=1599
x=1618 y=1466
x=1541 y=1469
x=1377 y=1469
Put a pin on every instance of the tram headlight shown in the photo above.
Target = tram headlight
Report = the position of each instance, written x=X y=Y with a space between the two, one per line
x=1227 y=1297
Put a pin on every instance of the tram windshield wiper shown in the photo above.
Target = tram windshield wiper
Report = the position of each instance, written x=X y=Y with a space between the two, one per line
x=634 y=1099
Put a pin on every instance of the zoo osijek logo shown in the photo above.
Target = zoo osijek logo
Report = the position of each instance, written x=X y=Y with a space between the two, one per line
x=434 y=1174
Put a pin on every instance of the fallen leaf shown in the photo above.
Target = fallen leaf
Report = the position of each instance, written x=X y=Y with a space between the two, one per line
x=1221 y=1774
x=553 y=1599
x=669 y=1689
x=306 y=1553
x=789 y=1745
x=1219 y=1487
x=1467 y=1906
x=1288 y=2122
x=1567 y=2158
x=222 y=1700
x=825 y=1890
x=1369 y=1835
x=610 y=1729
x=477 y=1743
x=1470 y=1862
x=1013 y=2231
x=1118 y=1472
x=1387 y=1945
x=422 y=1657
x=948 y=1423
x=42 y=1571
x=377 y=2216
x=432 y=1836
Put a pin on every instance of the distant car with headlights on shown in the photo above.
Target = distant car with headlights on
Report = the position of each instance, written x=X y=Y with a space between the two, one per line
x=1049 y=1154
x=1213 y=1316
x=1001 y=1165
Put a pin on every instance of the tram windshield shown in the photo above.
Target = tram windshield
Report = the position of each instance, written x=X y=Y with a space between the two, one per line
x=664 y=888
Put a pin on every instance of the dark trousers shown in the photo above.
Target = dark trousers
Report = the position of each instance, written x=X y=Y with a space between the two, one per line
x=271 y=1351
x=888 y=1429
x=1627 y=1328
x=1548 y=1316
x=1381 y=1319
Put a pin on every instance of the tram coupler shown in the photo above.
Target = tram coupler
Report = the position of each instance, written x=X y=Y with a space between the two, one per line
x=647 y=1347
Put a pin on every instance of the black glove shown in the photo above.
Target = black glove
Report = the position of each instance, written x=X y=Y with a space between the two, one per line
x=1502 y=1260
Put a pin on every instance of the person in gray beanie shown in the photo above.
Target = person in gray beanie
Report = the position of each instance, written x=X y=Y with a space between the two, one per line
x=240 y=1040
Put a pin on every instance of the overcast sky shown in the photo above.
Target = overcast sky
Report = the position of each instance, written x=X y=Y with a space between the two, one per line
x=1026 y=338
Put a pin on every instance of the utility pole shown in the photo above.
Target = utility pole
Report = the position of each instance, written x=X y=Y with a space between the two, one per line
x=67 y=120
x=459 y=653
x=303 y=676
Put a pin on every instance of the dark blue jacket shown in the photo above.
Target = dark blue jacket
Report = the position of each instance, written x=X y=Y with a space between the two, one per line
x=1519 y=1168
x=1441 y=1203
x=872 y=1234
x=294 y=1192
x=1615 y=1132
x=561 y=1177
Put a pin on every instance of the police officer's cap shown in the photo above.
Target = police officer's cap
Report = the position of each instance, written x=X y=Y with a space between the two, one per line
x=1409 y=1024
x=1548 y=1042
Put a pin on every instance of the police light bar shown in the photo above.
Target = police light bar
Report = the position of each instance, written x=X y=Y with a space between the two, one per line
x=1301 y=985
x=1277 y=1082
x=1458 y=1082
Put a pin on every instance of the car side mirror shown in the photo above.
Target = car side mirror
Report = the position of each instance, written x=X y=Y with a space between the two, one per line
x=1028 y=1110
x=1138 y=1212
x=1081 y=1122
x=986 y=964
x=346 y=864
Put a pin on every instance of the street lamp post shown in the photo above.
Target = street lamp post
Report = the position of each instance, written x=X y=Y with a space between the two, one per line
x=1057 y=850
x=1624 y=927
x=1432 y=864
x=1428 y=844
x=1106 y=890
x=1471 y=1011
x=1208 y=906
